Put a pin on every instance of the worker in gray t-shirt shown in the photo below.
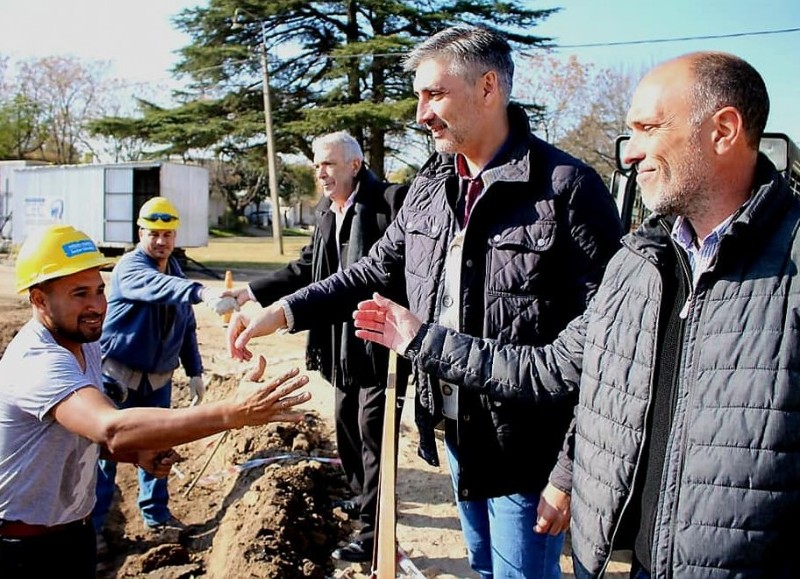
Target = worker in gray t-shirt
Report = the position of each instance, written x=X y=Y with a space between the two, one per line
x=55 y=422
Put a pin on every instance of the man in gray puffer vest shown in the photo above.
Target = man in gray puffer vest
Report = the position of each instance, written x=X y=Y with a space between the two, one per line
x=685 y=445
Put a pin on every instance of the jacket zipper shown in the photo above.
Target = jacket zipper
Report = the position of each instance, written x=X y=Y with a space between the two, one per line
x=638 y=457
x=690 y=303
x=688 y=279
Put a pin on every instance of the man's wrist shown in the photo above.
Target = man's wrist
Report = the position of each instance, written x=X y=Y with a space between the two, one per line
x=287 y=313
x=415 y=345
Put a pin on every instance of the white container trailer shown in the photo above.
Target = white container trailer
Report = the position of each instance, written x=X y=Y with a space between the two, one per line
x=104 y=200
x=7 y=169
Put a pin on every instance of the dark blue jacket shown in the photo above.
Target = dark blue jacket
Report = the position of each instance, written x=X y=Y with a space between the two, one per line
x=150 y=324
x=534 y=252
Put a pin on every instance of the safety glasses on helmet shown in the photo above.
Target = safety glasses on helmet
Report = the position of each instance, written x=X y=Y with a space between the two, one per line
x=165 y=217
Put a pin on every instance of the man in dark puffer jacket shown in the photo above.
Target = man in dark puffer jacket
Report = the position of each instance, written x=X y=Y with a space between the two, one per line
x=502 y=236
x=686 y=438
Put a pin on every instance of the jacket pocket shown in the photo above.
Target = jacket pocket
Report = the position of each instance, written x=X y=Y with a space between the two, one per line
x=422 y=241
x=517 y=256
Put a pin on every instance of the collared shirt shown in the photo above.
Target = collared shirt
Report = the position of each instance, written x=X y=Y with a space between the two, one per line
x=700 y=255
x=471 y=188
x=340 y=214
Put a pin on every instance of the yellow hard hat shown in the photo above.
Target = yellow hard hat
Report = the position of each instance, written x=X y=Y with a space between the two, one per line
x=158 y=213
x=56 y=251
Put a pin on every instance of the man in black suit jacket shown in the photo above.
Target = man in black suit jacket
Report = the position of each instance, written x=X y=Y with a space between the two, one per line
x=354 y=212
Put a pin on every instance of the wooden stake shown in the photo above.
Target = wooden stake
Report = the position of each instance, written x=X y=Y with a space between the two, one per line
x=214 y=450
x=384 y=559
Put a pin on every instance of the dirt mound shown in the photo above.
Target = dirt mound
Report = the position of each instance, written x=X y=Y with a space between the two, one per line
x=13 y=314
x=261 y=509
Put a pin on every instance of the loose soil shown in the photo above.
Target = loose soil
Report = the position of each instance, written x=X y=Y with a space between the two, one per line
x=273 y=520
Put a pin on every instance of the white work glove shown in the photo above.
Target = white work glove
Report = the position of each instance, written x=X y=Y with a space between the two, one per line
x=217 y=302
x=197 y=389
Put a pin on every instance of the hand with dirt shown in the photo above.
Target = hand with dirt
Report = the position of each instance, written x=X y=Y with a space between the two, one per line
x=242 y=329
x=157 y=462
x=387 y=323
x=258 y=402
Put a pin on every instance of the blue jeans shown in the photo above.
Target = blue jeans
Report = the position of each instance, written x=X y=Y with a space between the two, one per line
x=153 y=492
x=499 y=535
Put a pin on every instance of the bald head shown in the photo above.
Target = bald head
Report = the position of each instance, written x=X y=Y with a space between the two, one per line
x=714 y=80
x=696 y=122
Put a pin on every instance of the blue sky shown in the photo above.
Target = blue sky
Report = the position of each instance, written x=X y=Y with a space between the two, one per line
x=776 y=57
x=138 y=40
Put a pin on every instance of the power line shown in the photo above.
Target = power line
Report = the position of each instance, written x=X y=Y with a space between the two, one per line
x=555 y=47
x=676 y=39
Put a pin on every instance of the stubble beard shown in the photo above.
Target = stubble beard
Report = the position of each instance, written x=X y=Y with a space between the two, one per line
x=684 y=189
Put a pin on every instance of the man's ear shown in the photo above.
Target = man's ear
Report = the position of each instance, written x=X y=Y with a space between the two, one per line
x=356 y=166
x=490 y=84
x=37 y=297
x=728 y=130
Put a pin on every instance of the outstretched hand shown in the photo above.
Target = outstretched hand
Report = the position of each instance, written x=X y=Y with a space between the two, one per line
x=383 y=321
x=219 y=302
x=241 y=329
x=259 y=403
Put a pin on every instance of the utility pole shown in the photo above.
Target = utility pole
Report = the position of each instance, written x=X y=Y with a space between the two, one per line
x=272 y=163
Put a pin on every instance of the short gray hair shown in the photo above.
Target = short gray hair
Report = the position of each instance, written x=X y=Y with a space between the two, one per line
x=471 y=51
x=352 y=150
x=723 y=80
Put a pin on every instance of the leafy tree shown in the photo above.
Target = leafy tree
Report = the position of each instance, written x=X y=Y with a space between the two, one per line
x=21 y=133
x=583 y=109
x=240 y=182
x=66 y=92
x=593 y=138
x=560 y=89
x=333 y=65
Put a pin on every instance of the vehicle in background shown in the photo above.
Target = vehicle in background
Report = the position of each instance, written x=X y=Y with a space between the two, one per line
x=780 y=149
x=261 y=219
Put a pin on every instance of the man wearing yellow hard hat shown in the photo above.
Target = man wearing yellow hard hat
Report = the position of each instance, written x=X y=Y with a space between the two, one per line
x=55 y=421
x=150 y=329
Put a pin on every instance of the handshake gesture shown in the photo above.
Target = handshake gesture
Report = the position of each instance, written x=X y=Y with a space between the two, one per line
x=223 y=302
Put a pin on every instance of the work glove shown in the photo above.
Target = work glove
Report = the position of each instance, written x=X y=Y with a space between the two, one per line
x=197 y=389
x=217 y=302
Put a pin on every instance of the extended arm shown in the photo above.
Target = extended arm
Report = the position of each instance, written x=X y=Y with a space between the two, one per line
x=136 y=278
x=89 y=413
x=329 y=300
x=497 y=370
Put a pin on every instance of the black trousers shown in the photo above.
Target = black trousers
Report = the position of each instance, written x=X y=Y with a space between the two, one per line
x=358 y=414
x=68 y=552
